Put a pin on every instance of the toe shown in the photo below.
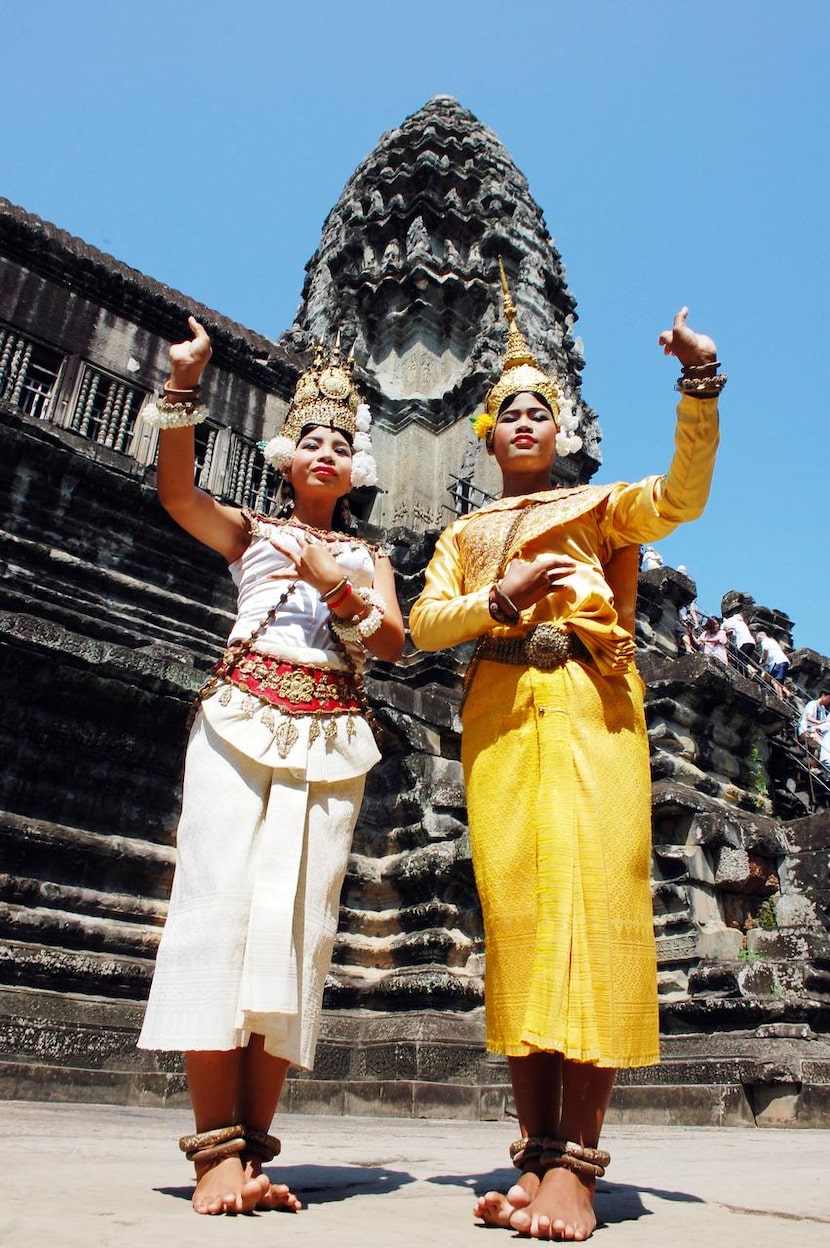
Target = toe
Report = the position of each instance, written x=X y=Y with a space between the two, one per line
x=521 y=1221
x=493 y=1209
x=252 y=1191
x=518 y=1197
x=279 y=1196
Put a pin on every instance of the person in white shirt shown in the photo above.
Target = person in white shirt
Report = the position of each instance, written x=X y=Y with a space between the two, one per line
x=738 y=632
x=651 y=559
x=814 y=722
x=773 y=660
x=274 y=774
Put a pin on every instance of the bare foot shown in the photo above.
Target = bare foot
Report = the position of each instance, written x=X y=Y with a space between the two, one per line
x=224 y=1188
x=278 y=1195
x=562 y=1209
x=494 y=1209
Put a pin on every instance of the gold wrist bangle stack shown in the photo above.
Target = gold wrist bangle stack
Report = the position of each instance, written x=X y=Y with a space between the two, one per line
x=699 y=382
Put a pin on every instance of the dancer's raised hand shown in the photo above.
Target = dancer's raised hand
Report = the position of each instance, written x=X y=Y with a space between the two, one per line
x=189 y=358
x=690 y=348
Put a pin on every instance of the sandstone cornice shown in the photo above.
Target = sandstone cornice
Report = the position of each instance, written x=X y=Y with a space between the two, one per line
x=73 y=263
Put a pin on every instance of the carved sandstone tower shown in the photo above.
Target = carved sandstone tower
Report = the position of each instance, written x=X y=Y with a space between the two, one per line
x=407 y=270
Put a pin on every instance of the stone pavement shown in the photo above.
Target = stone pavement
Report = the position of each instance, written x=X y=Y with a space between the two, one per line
x=109 y=1177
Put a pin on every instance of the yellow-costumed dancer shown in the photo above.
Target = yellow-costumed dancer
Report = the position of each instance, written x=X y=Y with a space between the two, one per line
x=555 y=757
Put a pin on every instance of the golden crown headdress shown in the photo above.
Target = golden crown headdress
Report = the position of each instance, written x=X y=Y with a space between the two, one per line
x=326 y=394
x=521 y=373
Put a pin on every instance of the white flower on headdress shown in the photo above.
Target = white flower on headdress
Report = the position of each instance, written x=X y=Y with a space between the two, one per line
x=364 y=470
x=568 y=443
x=279 y=452
x=568 y=440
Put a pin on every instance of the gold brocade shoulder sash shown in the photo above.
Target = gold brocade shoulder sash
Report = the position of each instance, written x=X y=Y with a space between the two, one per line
x=486 y=543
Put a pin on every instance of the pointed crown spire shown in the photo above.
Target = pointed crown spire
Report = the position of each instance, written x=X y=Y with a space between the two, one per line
x=325 y=394
x=520 y=370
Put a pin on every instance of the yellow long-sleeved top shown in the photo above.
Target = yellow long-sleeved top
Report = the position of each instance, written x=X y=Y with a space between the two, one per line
x=598 y=528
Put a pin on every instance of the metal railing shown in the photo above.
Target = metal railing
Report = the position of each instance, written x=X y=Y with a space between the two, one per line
x=813 y=774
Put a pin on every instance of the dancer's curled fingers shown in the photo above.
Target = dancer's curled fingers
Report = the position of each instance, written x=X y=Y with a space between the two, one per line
x=689 y=347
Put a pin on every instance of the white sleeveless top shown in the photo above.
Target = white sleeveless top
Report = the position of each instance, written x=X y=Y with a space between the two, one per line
x=299 y=632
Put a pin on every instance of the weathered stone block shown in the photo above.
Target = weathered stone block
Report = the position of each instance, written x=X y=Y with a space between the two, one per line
x=314 y=1096
x=444 y=1100
x=380 y=1098
x=723 y=944
x=775 y=1104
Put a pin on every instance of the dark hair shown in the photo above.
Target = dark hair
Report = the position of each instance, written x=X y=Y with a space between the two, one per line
x=506 y=402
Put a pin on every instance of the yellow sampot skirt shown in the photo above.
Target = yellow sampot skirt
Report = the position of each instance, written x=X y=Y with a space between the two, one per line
x=559 y=797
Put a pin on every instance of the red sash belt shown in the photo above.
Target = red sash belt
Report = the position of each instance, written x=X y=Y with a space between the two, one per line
x=294 y=688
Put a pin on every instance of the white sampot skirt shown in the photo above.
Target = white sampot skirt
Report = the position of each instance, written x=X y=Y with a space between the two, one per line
x=262 y=853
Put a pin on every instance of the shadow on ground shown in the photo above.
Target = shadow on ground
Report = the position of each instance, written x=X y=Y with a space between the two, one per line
x=615 y=1202
x=323 y=1185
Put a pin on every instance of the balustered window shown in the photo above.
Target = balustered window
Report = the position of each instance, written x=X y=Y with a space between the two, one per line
x=205 y=445
x=249 y=480
x=106 y=409
x=28 y=373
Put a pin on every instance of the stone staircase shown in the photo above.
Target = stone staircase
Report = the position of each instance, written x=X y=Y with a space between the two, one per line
x=108 y=617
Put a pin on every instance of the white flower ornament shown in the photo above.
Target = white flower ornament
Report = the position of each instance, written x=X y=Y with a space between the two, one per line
x=364 y=469
x=568 y=440
x=279 y=452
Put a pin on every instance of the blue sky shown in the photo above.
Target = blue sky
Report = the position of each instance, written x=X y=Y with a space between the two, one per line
x=679 y=154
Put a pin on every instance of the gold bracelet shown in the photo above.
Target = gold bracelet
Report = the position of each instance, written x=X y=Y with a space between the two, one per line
x=330 y=593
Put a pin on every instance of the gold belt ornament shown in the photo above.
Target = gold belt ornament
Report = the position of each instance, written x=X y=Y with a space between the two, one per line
x=545 y=647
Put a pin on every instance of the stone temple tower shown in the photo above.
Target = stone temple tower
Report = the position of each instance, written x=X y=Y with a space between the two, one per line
x=407 y=271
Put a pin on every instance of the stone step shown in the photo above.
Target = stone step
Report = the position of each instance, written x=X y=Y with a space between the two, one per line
x=111 y=721
x=716 y=1105
x=73 y=1028
x=66 y=930
x=86 y=971
x=418 y=917
x=405 y=879
x=111 y=623
x=42 y=1081
x=402 y=988
x=57 y=585
x=85 y=507
x=448 y=947
x=91 y=860
x=48 y=894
